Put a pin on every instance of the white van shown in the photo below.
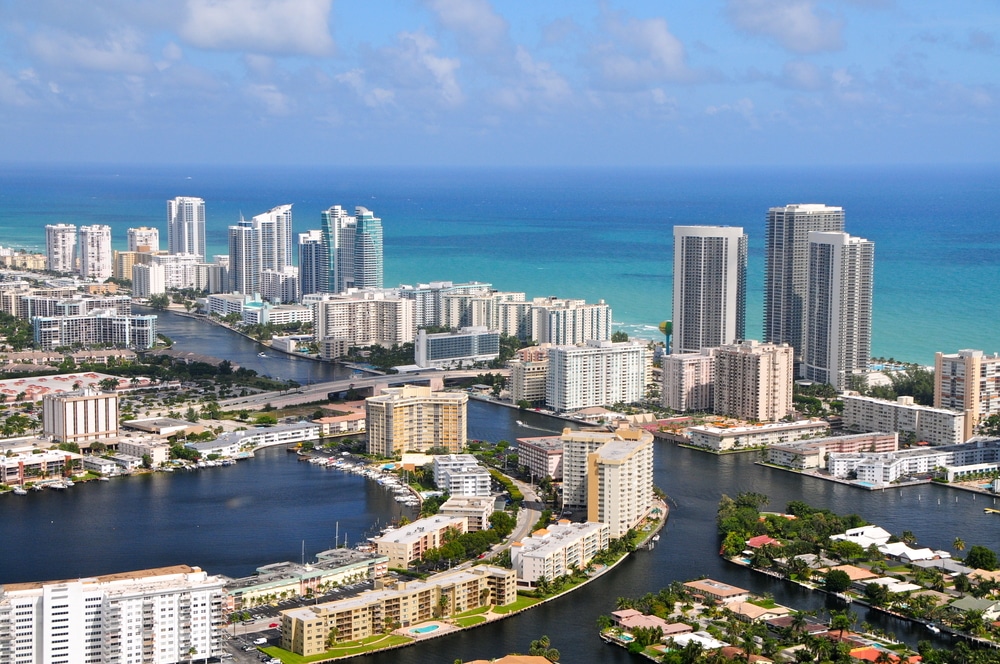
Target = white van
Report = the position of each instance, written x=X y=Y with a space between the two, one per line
x=259 y=642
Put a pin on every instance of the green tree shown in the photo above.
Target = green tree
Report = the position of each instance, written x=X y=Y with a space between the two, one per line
x=979 y=557
x=837 y=581
x=160 y=301
x=959 y=544
x=619 y=336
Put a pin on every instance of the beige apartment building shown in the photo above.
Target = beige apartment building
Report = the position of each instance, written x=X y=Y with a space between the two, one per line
x=753 y=381
x=363 y=318
x=81 y=416
x=311 y=630
x=527 y=380
x=620 y=481
x=689 y=381
x=410 y=542
x=414 y=419
x=968 y=381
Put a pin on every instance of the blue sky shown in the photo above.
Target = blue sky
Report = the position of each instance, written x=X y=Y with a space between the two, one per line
x=474 y=82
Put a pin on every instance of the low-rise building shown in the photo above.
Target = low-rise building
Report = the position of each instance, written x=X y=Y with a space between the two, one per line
x=812 y=454
x=717 y=591
x=341 y=425
x=937 y=426
x=455 y=349
x=157 y=451
x=461 y=475
x=287 y=579
x=410 y=542
x=19 y=468
x=557 y=550
x=953 y=462
x=725 y=439
x=476 y=510
x=306 y=631
x=542 y=456
x=100 y=465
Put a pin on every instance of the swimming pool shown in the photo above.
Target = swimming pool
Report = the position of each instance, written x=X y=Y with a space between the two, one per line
x=424 y=630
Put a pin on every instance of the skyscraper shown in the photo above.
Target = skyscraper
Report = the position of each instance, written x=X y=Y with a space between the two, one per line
x=94 y=252
x=313 y=264
x=186 y=226
x=786 y=270
x=838 y=308
x=367 y=249
x=244 y=258
x=338 y=242
x=60 y=247
x=274 y=233
x=709 y=305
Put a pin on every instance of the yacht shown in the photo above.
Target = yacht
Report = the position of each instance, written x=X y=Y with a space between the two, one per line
x=19 y=491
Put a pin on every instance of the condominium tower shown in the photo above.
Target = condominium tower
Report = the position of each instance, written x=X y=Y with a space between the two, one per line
x=709 y=304
x=60 y=247
x=313 y=275
x=753 y=381
x=274 y=233
x=143 y=239
x=968 y=381
x=94 y=252
x=597 y=373
x=367 y=249
x=414 y=418
x=244 y=258
x=786 y=269
x=186 y=226
x=838 y=314
x=353 y=249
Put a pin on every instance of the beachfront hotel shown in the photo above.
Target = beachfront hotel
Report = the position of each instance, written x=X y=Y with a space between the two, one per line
x=154 y=616
x=838 y=312
x=352 y=246
x=414 y=418
x=786 y=268
x=709 y=304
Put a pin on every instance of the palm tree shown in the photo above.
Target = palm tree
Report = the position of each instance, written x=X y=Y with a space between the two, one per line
x=843 y=621
x=959 y=544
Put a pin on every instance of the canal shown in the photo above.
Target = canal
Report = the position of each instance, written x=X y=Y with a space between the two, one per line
x=231 y=520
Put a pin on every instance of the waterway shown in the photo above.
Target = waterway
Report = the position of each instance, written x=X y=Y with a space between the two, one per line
x=231 y=520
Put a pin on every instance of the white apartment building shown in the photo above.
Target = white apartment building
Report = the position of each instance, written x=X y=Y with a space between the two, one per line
x=186 y=226
x=224 y=304
x=542 y=456
x=753 y=381
x=557 y=550
x=452 y=349
x=476 y=510
x=60 y=247
x=280 y=286
x=144 y=239
x=596 y=374
x=567 y=322
x=262 y=313
x=153 y=616
x=97 y=327
x=80 y=416
x=709 y=304
x=94 y=252
x=968 y=381
x=363 y=318
x=937 y=426
x=838 y=309
x=461 y=475
x=732 y=439
x=26 y=466
x=527 y=380
x=689 y=381
x=148 y=280
x=158 y=452
x=620 y=480
x=34 y=304
x=413 y=418
x=244 y=258
x=812 y=454
x=179 y=270
x=957 y=461
x=410 y=542
x=427 y=300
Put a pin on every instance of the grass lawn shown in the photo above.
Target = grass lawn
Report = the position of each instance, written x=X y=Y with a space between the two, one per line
x=342 y=650
x=521 y=603
x=470 y=621
x=764 y=603
x=472 y=612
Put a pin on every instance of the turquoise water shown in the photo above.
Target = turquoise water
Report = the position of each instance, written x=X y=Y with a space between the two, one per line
x=424 y=630
x=593 y=234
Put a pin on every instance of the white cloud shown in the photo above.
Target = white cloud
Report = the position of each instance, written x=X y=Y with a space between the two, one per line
x=743 y=107
x=801 y=75
x=477 y=27
x=279 y=27
x=796 y=25
x=373 y=97
x=118 y=52
x=273 y=100
x=642 y=51
x=12 y=92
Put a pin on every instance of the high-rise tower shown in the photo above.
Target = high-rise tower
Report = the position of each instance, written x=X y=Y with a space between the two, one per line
x=786 y=270
x=367 y=249
x=244 y=258
x=838 y=309
x=274 y=233
x=186 y=226
x=709 y=306
x=94 y=252
x=60 y=247
x=338 y=242
x=143 y=239
x=313 y=264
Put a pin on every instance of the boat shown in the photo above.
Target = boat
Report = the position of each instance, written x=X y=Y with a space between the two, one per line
x=69 y=483
x=519 y=423
x=933 y=628
x=103 y=479
x=58 y=486
x=19 y=491
x=990 y=510
x=261 y=355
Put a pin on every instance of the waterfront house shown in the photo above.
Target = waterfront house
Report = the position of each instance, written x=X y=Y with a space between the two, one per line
x=865 y=536
x=629 y=619
x=990 y=608
x=750 y=612
x=717 y=591
x=856 y=574
x=762 y=540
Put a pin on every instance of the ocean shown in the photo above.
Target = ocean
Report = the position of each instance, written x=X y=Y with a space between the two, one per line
x=584 y=233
